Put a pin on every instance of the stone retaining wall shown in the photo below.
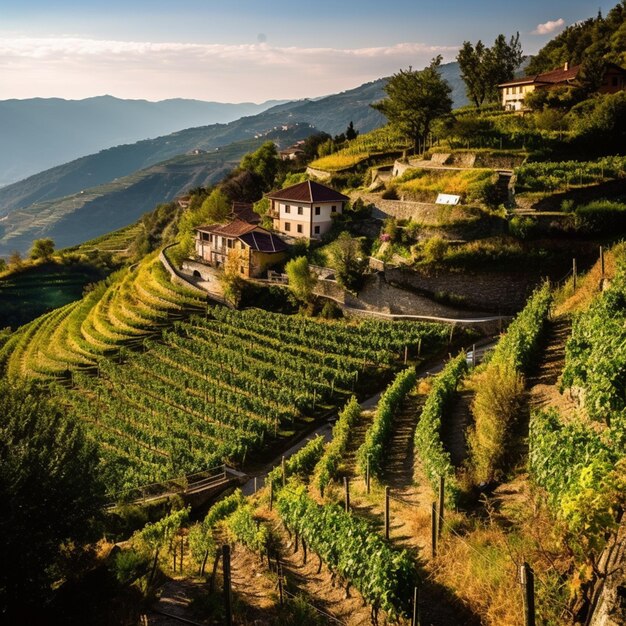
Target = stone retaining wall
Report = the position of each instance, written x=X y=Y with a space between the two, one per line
x=496 y=291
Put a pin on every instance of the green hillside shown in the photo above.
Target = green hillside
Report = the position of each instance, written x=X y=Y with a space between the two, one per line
x=30 y=293
x=98 y=210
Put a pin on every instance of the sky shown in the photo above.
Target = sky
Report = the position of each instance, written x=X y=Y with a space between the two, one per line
x=248 y=50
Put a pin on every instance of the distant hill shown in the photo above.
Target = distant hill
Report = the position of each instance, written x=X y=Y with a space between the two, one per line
x=27 y=207
x=93 y=212
x=39 y=133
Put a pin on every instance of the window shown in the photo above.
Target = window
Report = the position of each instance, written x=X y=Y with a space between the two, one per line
x=287 y=209
x=229 y=243
x=287 y=226
x=299 y=228
x=300 y=211
x=317 y=210
x=317 y=230
x=333 y=209
x=204 y=237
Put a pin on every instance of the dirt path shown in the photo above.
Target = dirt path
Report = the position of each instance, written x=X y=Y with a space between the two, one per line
x=399 y=464
x=542 y=383
x=175 y=600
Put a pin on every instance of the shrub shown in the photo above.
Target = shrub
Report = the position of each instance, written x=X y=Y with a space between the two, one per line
x=130 y=565
x=521 y=227
x=496 y=408
x=601 y=217
x=434 y=249
x=500 y=388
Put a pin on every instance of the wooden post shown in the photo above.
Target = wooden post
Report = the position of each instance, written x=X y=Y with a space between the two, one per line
x=346 y=484
x=527 y=578
x=387 y=512
x=602 y=260
x=406 y=354
x=271 y=494
x=367 y=476
x=574 y=272
x=255 y=485
x=227 y=592
x=433 y=530
x=280 y=583
x=419 y=347
x=474 y=355
x=442 y=487
x=282 y=463
x=182 y=552
x=416 y=611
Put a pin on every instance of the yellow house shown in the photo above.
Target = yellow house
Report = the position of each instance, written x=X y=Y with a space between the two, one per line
x=513 y=92
x=247 y=247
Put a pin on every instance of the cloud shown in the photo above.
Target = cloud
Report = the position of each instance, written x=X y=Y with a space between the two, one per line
x=549 y=27
x=153 y=70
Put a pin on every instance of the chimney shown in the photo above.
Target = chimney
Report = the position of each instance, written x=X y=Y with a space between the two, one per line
x=566 y=66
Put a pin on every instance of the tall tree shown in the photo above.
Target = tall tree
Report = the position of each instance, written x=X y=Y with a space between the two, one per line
x=415 y=99
x=263 y=162
x=49 y=494
x=483 y=69
x=301 y=279
x=351 y=133
x=348 y=260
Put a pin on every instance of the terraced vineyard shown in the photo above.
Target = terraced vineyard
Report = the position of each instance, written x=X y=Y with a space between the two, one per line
x=118 y=241
x=128 y=307
x=221 y=386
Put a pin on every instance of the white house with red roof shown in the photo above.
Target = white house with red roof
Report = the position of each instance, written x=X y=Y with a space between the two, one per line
x=305 y=210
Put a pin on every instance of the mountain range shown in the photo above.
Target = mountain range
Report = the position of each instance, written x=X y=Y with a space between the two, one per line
x=39 y=133
x=74 y=192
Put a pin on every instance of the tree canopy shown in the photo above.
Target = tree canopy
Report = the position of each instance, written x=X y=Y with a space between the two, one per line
x=415 y=99
x=483 y=68
x=301 y=279
x=348 y=260
x=263 y=162
x=42 y=249
x=49 y=493
x=597 y=38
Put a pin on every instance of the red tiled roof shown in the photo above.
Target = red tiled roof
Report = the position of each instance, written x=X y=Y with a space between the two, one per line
x=264 y=241
x=553 y=77
x=560 y=75
x=245 y=212
x=236 y=228
x=308 y=191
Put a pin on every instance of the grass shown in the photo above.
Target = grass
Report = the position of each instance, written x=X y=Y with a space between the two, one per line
x=339 y=161
x=425 y=185
x=378 y=141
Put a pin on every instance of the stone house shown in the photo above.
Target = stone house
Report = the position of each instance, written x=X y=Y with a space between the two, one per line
x=249 y=247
